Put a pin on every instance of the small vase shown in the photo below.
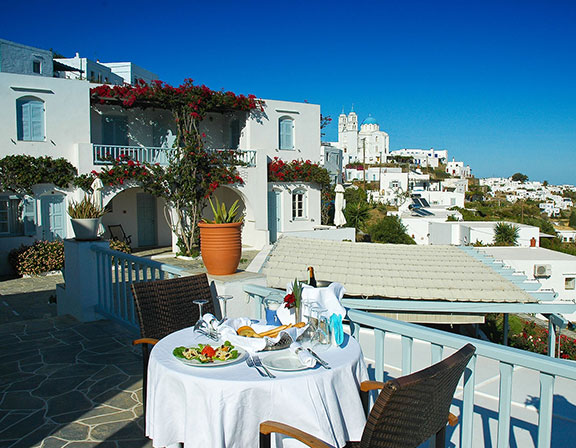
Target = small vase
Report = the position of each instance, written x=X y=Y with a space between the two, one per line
x=86 y=229
x=297 y=314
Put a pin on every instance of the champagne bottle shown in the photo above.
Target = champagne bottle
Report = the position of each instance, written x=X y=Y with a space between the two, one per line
x=312 y=279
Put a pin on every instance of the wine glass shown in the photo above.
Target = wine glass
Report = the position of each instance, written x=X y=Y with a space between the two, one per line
x=309 y=309
x=200 y=324
x=271 y=304
x=223 y=299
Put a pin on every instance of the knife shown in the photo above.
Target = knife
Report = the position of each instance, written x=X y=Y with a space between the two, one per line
x=320 y=360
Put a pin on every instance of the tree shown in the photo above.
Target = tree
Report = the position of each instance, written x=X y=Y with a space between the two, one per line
x=519 y=177
x=506 y=234
x=572 y=219
x=390 y=230
x=357 y=214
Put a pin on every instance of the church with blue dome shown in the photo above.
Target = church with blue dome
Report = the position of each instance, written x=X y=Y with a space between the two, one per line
x=367 y=145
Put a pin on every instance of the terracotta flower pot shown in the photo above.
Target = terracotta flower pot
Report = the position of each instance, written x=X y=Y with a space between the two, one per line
x=221 y=247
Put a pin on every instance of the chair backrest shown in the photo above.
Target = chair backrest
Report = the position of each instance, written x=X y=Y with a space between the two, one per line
x=413 y=408
x=166 y=306
x=117 y=232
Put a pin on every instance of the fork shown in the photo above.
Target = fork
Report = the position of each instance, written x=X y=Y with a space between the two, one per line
x=257 y=361
x=250 y=363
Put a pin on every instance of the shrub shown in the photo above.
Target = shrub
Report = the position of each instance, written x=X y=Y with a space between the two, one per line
x=356 y=214
x=390 y=230
x=41 y=257
x=506 y=234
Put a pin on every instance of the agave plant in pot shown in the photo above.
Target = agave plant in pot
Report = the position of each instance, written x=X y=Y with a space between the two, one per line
x=85 y=217
x=221 y=239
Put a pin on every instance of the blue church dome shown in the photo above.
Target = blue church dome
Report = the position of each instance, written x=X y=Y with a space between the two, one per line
x=370 y=120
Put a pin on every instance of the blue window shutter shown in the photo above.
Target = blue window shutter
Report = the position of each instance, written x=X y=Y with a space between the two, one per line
x=37 y=120
x=286 y=134
x=29 y=216
x=25 y=121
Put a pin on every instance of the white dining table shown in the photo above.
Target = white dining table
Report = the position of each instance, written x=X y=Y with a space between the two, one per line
x=223 y=406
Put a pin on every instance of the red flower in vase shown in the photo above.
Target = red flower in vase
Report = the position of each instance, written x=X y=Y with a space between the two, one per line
x=290 y=300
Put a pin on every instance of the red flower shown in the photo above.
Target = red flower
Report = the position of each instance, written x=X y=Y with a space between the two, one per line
x=290 y=300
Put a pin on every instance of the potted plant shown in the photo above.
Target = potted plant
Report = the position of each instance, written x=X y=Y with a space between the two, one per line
x=221 y=239
x=85 y=217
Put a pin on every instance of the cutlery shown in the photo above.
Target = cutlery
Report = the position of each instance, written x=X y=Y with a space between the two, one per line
x=257 y=361
x=250 y=363
x=207 y=334
x=320 y=360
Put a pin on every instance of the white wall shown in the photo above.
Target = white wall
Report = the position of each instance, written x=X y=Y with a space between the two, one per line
x=311 y=207
x=17 y=58
x=67 y=115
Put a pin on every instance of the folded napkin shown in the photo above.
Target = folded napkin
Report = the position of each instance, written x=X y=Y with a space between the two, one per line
x=303 y=355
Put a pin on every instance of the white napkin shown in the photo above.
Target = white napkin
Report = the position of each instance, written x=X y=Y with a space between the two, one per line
x=328 y=297
x=303 y=355
x=228 y=329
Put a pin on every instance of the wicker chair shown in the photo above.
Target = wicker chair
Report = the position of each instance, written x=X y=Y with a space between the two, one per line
x=166 y=306
x=408 y=411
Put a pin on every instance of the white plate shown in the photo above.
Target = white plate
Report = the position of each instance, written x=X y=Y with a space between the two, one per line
x=196 y=363
x=285 y=361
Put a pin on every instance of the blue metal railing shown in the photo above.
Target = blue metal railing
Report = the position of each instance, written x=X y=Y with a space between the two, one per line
x=102 y=154
x=508 y=359
x=116 y=271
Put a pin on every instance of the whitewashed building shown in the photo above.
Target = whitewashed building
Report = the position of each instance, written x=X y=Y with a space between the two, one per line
x=423 y=157
x=367 y=144
x=46 y=116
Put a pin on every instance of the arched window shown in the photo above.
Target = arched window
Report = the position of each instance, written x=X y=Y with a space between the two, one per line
x=286 y=133
x=30 y=119
x=299 y=204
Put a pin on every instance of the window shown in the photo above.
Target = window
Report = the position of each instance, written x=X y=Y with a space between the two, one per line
x=17 y=216
x=115 y=130
x=286 y=133
x=234 y=133
x=570 y=283
x=30 y=119
x=298 y=204
x=37 y=67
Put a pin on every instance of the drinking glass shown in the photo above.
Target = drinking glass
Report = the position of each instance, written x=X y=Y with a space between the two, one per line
x=271 y=304
x=201 y=324
x=223 y=299
x=308 y=337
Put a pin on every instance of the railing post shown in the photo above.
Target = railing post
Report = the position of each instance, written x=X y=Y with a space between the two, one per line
x=545 y=414
x=80 y=295
x=504 y=404
x=467 y=427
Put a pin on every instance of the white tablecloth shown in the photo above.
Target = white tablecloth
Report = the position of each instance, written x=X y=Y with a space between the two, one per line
x=216 y=407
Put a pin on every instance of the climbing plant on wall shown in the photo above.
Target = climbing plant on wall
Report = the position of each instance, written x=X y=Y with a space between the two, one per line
x=193 y=172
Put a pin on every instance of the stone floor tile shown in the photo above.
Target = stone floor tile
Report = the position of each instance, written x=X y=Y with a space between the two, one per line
x=62 y=354
x=106 y=371
x=117 y=416
x=77 y=370
x=105 y=385
x=27 y=382
x=21 y=401
x=69 y=402
x=57 y=386
x=23 y=427
x=132 y=384
x=73 y=431
x=117 y=431
x=35 y=435
x=52 y=442
x=94 y=445
x=122 y=400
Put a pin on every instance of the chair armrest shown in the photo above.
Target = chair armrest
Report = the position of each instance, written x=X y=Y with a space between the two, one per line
x=150 y=341
x=367 y=386
x=268 y=427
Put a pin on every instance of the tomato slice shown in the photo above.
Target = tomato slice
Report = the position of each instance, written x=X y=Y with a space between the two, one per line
x=208 y=351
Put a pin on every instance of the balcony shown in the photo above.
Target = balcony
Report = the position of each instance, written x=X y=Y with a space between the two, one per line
x=102 y=154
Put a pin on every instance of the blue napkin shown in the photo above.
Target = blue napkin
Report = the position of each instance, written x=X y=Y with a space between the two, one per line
x=337 y=329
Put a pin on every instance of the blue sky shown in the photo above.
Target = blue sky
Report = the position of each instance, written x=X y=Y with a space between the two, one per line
x=493 y=82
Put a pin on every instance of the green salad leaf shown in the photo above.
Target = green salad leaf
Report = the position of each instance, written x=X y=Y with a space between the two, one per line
x=178 y=352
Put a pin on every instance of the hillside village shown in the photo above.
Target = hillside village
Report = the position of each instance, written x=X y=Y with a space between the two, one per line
x=411 y=233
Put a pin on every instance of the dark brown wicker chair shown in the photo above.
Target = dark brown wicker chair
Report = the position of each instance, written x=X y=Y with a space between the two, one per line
x=408 y=411
x=166 y=306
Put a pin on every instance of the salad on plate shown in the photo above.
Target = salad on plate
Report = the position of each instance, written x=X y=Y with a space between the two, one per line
x=206 y=354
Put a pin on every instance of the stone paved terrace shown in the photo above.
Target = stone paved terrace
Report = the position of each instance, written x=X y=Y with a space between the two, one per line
x=68 y=384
